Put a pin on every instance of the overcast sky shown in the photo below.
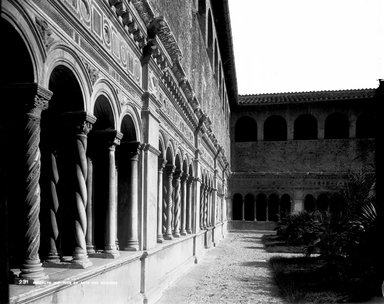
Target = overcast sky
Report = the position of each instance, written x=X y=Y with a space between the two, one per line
x=307 y=45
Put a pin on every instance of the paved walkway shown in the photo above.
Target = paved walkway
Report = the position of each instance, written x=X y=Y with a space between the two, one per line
x=236 y=271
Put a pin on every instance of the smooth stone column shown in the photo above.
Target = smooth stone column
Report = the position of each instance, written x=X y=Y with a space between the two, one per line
x=36 y=100
x=89 y=209
x=132 y=242
x=169 y=170
x=242 y=210
x=184 y=179
x=162 y=164
x=110 y=249
x=177 y=203
x=189 y=204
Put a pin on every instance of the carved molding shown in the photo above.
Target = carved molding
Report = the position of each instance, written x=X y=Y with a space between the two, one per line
x=44 y=31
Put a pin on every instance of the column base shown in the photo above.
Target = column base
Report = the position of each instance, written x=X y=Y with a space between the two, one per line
x=160 y=239
x=80 y=263
x=31 y=272
x=90 y=249
x=110 y=254
x=131 y=248
x=176 y=234
x=168 y=237
x=183 y=233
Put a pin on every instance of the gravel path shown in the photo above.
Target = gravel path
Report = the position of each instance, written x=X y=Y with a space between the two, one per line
x=236 y=271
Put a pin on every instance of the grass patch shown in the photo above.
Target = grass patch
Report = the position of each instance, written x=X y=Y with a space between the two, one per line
x=275 y=244
x=311 y=281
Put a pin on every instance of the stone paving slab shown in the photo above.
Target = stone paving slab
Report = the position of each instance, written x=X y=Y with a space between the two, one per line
x=236 y=271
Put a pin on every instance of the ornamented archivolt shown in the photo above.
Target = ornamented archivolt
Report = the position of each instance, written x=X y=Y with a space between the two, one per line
x=100 y=27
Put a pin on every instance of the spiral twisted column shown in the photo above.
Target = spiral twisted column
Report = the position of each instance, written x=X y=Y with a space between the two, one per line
x=82 y=124
x=36 y=101
x=206 y=193
x=202 y=198
x=177 y=204
x=189 y=205
x=53 y=254
x=160 y=222
x=169 y=170
x=183 y=210
x=165 y=211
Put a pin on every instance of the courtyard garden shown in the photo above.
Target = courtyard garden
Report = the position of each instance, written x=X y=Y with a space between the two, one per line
x=340 y=259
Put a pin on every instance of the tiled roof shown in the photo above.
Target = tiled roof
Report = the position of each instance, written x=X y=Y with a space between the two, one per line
x=304 y=97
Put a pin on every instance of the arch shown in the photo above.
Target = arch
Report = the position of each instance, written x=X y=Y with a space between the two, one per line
x=14 y=70
x=273 y=207
x=104 y=114
x=128 y=128
x=26 y=45
x=285 y=205
x=62 y=55
x=305 y=127
x=309 y=203
x=336 y=126
x=249 y=207
x=365 y=126
x=104 y=87
x=323 y=202
x=16 y=62
x=202 y=11
x=275 y=128
x=67 y=92
x=210 y=30
x=261 y=207
x=169 y=155
x=237 y=207
x=245 y=129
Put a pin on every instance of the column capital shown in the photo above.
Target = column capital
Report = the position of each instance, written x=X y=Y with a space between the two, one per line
x=162 y=163
x=132 y=148
x=170 y=169
x=184 y=176
x=35 y=99
x=81 y=121
x=109 y=137
x=178 y=174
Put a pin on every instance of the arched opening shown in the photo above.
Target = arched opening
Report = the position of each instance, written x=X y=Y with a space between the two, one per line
x=249 y=207
x=322 y=202
x=273 y=207
x=16 y=68
x=60 y=157
x=365 y=126
x=336 y=126
x=309 y=203
x=16 y=63
x=261 y=207
x=101 y=137
x=245 y=129
x=210 y=30
x=275 y=128
x=202 y=16
x=237 y=207
x=210 y=37
x=285 y=205
x=127 y=187
x=305 y=127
